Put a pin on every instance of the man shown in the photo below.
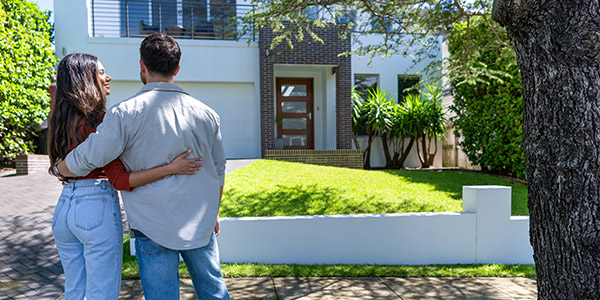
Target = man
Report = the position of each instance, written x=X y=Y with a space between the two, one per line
x=178 y=214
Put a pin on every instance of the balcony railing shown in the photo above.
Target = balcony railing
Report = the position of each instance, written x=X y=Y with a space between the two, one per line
x=190 y=19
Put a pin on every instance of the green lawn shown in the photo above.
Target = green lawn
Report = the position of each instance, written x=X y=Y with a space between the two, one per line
x=274 y=188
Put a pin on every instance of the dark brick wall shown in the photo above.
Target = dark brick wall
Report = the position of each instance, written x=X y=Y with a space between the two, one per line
x=335 y=158
x=313 y=53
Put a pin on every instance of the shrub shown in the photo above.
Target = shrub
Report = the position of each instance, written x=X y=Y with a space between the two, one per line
x=489 y=113
x=26 y=64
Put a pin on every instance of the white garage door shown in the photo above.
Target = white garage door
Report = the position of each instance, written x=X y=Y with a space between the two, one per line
x=237 y=105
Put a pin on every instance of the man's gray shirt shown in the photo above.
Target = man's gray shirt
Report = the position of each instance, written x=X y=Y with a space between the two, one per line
x=148 y=130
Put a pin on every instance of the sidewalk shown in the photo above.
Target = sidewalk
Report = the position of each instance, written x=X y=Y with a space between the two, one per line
x=30 y=267
x=272 y=288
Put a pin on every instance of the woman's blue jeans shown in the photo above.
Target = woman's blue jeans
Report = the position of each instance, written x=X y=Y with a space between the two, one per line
x=159 y=269
x=88 y=235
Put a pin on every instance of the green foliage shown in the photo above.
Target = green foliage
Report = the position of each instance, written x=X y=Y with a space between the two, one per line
x=376 y=110
x=419 y=117
x=358 y=118
x=401 y=24
x=372 y=114
x=489 y=114
x=274 y=188
x=432 y=120
x=26 y=64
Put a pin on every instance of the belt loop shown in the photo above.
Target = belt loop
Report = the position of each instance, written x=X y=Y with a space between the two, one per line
x=100 y=182
x=71 y=185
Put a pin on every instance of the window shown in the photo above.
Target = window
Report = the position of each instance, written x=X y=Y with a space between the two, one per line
x=363 y=83
x=212 y=19
x=408 y=84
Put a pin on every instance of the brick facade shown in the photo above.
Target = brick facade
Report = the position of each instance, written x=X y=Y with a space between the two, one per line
x=306 y=53
x=335 y=158
x=27 y=164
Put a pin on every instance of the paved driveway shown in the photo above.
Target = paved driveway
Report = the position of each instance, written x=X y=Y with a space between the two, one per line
x=29 y=263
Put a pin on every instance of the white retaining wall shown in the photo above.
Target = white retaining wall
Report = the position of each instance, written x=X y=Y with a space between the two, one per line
x=483 y=233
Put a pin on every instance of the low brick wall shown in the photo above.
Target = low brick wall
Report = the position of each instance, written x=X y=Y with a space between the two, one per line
x=31 y=163
x=335 y=158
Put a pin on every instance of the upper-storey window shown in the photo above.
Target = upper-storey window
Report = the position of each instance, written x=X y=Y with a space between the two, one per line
x=407 y=84
x=193 y=19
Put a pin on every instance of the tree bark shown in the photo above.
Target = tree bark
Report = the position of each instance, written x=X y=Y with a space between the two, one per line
x=558 y=52
x=386 y=150
x=422 y=153
x=405 y=152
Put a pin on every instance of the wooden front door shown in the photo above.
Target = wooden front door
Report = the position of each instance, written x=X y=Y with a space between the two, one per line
x=295 y=112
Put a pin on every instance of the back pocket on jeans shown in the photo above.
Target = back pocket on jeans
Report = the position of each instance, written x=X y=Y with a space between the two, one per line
x=89 y=212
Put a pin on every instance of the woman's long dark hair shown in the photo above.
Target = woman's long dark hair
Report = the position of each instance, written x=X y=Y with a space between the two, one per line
x=79 y=96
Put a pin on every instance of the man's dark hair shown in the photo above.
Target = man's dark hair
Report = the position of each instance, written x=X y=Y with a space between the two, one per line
x=160 y=53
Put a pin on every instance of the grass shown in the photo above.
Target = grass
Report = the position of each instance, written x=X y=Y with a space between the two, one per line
x=274 y=188
x=130 y=270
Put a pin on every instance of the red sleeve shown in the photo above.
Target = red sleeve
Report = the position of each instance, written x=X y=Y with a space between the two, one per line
x=117 y=175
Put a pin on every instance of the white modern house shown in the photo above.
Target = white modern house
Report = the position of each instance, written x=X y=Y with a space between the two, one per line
x=297 y=101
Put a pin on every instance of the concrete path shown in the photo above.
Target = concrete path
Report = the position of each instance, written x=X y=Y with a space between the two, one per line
x=311 y=288
x=30 y=266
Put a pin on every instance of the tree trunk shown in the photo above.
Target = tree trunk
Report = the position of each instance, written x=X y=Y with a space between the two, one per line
x=423 y=153
x=558 y=52
x=405 y=152
x=431 y=156
x=356 y=144
x=386 y=150
x=367 y=153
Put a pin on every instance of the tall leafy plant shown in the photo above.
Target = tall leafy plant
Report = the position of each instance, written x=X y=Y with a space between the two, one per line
x=358 y=118
x=400 y=130
x=418 y=119
x=376 y=109
x=432 y=121
x=26 y=64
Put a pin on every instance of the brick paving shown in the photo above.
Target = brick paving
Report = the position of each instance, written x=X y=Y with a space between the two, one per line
x=30 y=267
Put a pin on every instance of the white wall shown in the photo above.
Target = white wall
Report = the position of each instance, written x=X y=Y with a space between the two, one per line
x=483 y=233
x=412 y=161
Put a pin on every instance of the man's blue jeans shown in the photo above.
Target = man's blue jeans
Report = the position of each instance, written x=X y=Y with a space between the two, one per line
x=159 y=269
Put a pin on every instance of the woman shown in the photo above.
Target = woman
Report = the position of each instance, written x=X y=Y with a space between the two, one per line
x=87 y=218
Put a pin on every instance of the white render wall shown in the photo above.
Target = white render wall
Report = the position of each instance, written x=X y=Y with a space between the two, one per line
x=483 y=233
x=412 y=161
